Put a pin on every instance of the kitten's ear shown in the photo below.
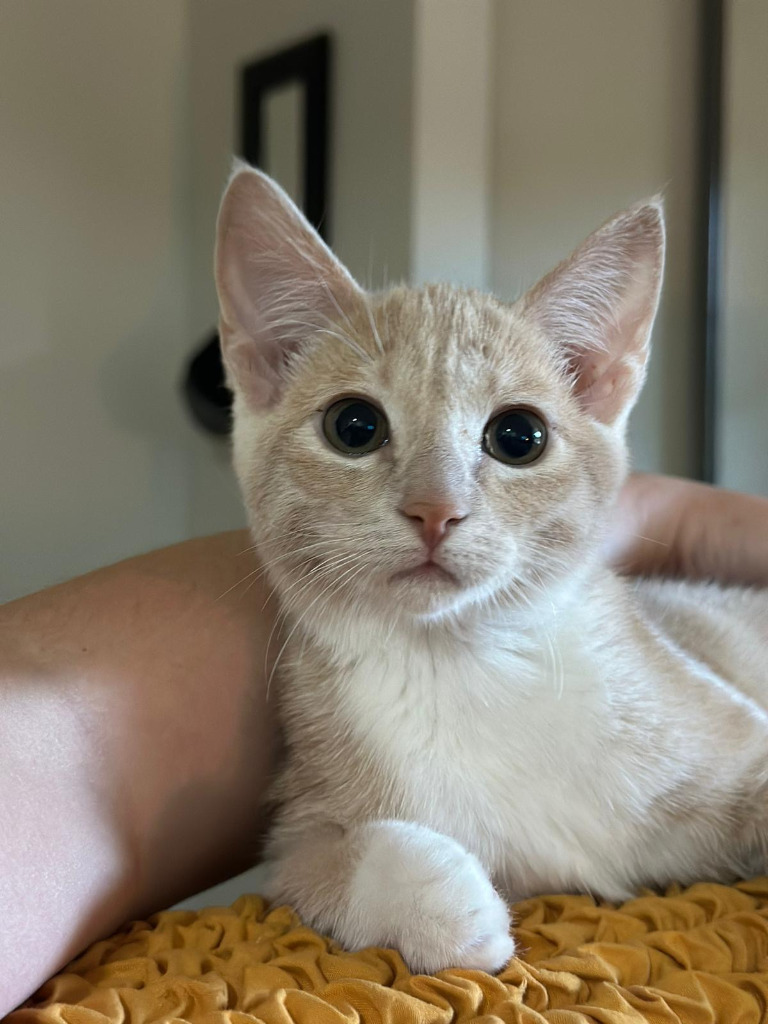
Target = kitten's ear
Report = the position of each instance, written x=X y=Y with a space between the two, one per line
x=278 y=283
x=599 y=305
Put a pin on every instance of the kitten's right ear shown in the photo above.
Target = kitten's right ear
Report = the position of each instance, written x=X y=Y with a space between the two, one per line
x=278 y=284
x=598 y=308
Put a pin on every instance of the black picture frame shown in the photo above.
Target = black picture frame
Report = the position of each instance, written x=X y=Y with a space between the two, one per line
x=308 y=63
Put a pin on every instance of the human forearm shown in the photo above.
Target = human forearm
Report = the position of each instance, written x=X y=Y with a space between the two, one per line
x=134 y=746
x=679 y=527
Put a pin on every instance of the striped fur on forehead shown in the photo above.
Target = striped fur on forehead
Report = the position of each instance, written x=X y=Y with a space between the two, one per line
x=438 y=343
x=459 y=324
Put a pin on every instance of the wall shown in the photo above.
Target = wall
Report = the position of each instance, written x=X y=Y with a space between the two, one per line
x=451 y=133
x=371 y=157
x=595 y=109
x=742 y=462
x=94 y=447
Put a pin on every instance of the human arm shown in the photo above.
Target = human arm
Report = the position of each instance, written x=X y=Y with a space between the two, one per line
x=669 y=526
x=135 y=745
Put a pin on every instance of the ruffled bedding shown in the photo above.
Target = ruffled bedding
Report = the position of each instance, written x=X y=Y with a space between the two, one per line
x=695 y=956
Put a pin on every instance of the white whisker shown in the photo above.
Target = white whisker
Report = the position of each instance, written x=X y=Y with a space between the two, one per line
x=375 y=333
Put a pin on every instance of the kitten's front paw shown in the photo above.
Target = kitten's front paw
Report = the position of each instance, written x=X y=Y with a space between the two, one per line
x=423 y=893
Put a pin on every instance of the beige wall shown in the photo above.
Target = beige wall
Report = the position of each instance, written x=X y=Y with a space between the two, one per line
x=595 y=108
x=742 y=458
x=451 y=132
x=93 y=319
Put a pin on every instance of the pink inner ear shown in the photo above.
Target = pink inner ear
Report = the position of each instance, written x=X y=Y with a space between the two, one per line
x=609 y=379
x=250 y=371
x=606 y=386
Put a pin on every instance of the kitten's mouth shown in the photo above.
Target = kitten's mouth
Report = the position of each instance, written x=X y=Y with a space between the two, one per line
x=425 y=572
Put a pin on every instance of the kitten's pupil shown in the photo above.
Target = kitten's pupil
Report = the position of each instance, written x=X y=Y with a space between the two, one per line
x=516 y=436
x=356 y=425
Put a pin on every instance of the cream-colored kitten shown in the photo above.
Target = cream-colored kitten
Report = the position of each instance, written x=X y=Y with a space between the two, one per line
x=474 y=705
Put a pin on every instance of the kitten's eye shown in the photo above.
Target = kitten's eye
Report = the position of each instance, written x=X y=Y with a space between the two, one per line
x=516 y=437
x=354 y=426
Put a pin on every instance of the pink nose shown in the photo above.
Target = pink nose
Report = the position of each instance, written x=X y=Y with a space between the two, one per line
x=432 y=519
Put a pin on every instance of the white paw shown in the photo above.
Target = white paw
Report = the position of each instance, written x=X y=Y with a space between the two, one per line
x=424 y=894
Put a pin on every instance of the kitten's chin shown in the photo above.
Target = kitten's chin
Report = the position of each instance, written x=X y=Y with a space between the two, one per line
x=427 y=591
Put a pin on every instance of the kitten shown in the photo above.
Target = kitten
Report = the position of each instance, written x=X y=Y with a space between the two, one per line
x=474 y=705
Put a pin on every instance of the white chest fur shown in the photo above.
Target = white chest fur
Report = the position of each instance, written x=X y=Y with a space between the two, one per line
x=511 y=754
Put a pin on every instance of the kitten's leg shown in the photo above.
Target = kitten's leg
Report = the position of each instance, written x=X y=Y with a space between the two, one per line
x=395 y=883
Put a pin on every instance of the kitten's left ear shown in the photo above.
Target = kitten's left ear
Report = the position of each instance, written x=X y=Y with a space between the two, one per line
x=599 y=305
x=278 y=284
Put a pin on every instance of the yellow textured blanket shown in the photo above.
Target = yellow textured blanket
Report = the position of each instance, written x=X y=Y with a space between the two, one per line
x=693 y=956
